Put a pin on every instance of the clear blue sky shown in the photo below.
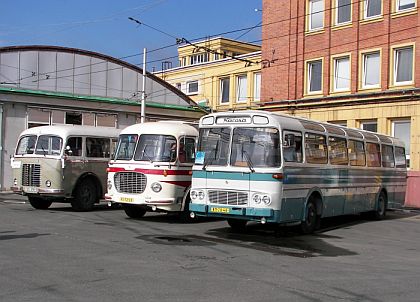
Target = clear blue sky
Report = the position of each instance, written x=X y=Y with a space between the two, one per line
x=103 y=26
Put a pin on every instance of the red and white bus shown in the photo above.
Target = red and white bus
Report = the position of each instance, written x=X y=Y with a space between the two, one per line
x=151 y=170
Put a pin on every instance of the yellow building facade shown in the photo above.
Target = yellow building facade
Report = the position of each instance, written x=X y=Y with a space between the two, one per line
x=218 y=73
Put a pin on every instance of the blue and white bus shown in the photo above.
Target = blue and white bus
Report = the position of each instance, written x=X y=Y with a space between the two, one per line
x=272 y=168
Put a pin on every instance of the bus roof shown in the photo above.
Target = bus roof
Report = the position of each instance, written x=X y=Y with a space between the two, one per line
x=68 y=130
x=175 y=128
x=302 y=124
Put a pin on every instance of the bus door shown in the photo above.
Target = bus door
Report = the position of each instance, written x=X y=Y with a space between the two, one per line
x=74 y=163
x=294 y=182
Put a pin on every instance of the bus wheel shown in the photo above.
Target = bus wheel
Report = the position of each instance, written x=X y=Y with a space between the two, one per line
x=85 y=196
x=39 y=203
x=311 y=221
x=237 y=225
x=134 y=211
x=380 y=211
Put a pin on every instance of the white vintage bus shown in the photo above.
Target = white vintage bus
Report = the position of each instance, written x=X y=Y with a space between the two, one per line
x=63 y=163
x=152 y=168
x=266 y=167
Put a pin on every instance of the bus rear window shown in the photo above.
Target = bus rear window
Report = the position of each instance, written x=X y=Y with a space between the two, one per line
x=26 y=145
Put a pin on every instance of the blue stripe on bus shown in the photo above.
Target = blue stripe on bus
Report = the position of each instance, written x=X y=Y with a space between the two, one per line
x=234 y=176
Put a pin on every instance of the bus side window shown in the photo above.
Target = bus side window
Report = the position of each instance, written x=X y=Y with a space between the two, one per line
x=187 y=150
x=315 y=148
x=373 y=155
x=357 y=154
x=292 y=147
x=97 y=147
x=387 y=157
x=337 y=147
x=74 y=146
x=400 y=159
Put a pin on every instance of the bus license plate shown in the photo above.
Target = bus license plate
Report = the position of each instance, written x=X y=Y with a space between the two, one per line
x=126 y=199
x=31 y=190
x=219 y=210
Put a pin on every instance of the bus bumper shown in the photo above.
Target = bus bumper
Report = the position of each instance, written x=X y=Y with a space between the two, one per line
x=254 y=214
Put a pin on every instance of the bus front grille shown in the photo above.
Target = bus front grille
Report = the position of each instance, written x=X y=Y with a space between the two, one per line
x=31 y=175
x=228 y=197
x=130 y=182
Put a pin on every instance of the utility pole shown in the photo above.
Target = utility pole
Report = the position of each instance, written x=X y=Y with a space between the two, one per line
x=143 y=91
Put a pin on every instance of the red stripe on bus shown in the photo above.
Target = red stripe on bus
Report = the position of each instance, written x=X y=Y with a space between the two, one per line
x=151 y=171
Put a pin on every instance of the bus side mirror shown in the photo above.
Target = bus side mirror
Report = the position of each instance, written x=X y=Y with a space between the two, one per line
x=68 y=151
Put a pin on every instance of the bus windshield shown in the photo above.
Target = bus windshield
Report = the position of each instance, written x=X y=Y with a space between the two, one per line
x=49 y=145
x=26 y=145
x=255 y=147
x=214 y=144
x=153 y=148
x=126 y=146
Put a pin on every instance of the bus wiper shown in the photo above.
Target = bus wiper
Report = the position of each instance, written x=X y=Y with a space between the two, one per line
x=148 y=157
x=248 y=161
x=206 y=163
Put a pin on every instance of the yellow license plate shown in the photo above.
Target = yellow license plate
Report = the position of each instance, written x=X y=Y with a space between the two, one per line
x=219 y=210
x=126 y=199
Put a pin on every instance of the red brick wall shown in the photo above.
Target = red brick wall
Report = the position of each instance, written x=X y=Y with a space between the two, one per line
x=284 y=34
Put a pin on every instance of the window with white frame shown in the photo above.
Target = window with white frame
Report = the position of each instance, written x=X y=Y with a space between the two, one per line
x=192 y=87
x=241 y=88
x=371 y=125
x=371 y=70
x=224 y=90
x=402 y=5
x=314 y=79
x=343 y=11
x=316 y=14
x=401 y=129
x=199 y=58
x=341 y=80
x=372 y=8
x=257 y=86
x=403 y=65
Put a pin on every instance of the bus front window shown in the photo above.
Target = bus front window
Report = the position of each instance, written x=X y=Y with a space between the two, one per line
x=255 y=147
x=49 y=145
x=160 y=148
x=26 y=145
x=126 y=146
x=214 y=144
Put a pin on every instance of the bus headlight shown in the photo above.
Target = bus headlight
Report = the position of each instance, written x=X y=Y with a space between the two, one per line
x=48 y=183
x=201 y=195
x=109 y=185
x=194 y=195
x=257 y=199
x=266 y=199
x=156 y=187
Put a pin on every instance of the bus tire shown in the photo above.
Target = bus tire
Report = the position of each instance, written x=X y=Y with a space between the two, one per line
x=311 y=221
x=237 y=225
x=380 y=212
x=134 y=211
x=85 y=196
x=39 y=203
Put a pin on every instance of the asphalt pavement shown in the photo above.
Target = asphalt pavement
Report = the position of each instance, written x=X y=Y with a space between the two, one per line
x=102 y=255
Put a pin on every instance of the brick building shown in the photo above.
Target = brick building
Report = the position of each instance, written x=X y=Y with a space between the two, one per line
x=350 y=62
